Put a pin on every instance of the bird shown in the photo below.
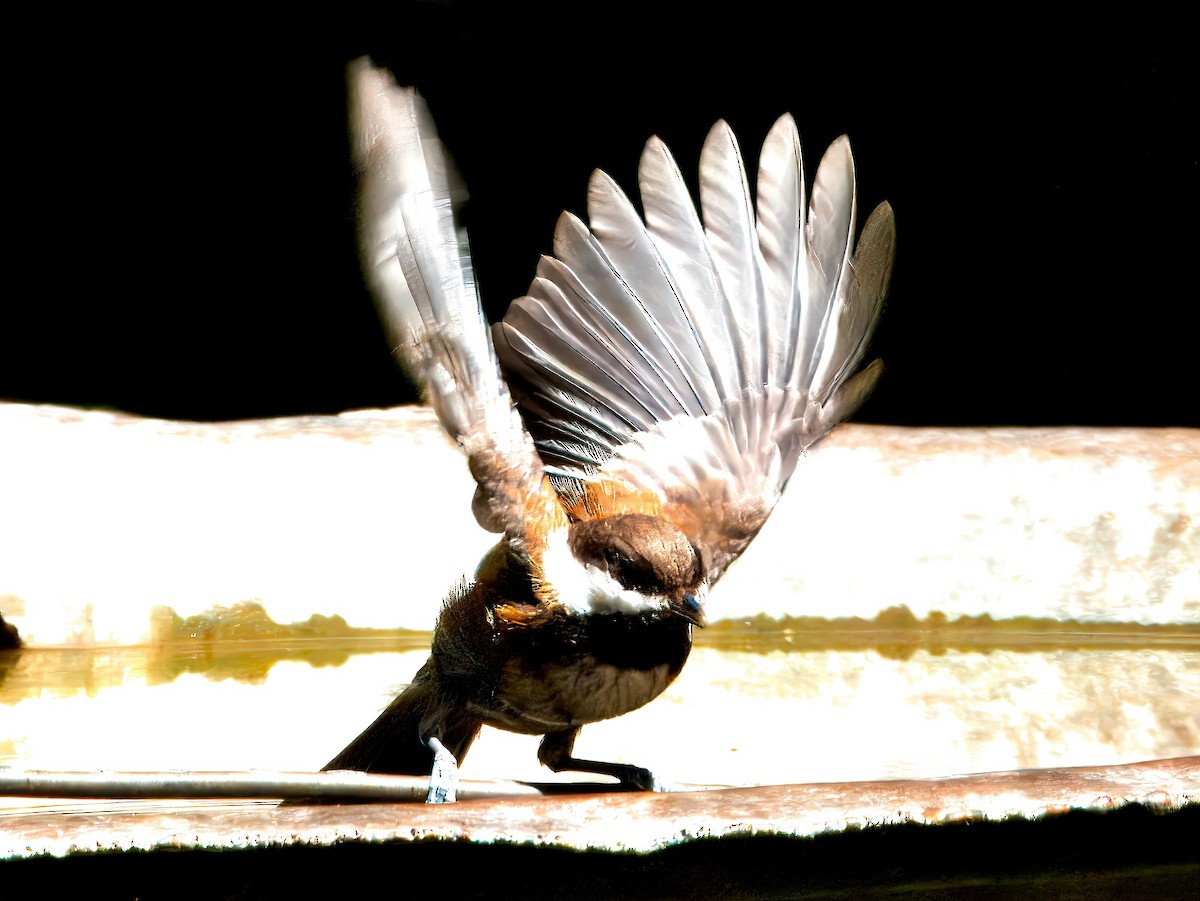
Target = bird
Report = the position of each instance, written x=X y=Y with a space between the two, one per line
x=630 y=423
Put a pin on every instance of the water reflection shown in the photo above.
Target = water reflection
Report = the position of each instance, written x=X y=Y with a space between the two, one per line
x=66 y=671
x=750 y=708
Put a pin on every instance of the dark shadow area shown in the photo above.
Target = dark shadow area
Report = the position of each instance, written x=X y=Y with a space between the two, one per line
x=9 y=637
x=1130 y=853
x=185 y=240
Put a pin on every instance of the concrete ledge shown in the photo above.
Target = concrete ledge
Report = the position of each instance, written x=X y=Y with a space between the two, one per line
x=107 y=520
x=611 y=821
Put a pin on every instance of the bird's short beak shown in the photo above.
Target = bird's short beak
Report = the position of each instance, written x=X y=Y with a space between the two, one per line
x=691 y=609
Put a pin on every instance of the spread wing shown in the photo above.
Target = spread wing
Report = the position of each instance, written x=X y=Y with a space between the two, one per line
x=418 y=262
x=689 y=362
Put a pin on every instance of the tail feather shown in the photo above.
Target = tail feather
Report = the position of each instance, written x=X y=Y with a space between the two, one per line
x=395 y=743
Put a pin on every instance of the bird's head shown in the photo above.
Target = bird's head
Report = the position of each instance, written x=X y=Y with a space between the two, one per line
x=631 y=563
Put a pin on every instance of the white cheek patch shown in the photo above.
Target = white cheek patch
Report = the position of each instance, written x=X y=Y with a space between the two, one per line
x=585 y=589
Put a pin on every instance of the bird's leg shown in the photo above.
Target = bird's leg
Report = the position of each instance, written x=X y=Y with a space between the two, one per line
x=555 y=752
x=443 y=778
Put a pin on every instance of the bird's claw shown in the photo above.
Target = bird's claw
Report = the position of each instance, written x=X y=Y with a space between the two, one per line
x=642 y=778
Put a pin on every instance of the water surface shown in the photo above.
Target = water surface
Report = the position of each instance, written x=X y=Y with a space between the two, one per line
x=750 y=708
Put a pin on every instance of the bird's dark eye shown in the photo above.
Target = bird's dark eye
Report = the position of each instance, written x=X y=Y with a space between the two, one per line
x=632 y=571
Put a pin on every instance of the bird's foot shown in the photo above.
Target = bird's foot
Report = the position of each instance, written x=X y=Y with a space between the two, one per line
x=443 y=778
x=555 y=752
x=638 y=777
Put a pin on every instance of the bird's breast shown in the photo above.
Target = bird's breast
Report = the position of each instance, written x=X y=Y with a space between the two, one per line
x=528 y=666
x=586 y=690
x=571 y=670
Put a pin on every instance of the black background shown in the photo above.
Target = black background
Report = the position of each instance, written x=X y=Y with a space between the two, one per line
x=181 y=236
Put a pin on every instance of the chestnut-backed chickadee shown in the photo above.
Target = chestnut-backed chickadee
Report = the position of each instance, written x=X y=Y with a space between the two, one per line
x=630 y=423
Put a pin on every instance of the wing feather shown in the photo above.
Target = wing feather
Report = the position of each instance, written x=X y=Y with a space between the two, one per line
x=602 y=288
x=780 y=205
x=696 y=360
x=685 y=358
x=675 y=231
x=729 y=228
x=636 y=259
x=417 y=260
x=827 y=236
x=567 y=354
x=859 y=303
